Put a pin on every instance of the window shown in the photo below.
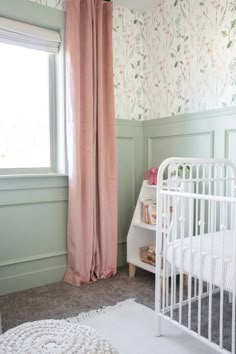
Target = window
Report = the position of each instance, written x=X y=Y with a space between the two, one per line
x=27 y=108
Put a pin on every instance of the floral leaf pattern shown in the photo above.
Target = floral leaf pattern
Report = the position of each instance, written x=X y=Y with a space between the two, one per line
x=128 y=59
x=176 y=58
x=187 y=55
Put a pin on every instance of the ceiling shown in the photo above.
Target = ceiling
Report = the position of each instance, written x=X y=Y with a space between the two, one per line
x=137 y=4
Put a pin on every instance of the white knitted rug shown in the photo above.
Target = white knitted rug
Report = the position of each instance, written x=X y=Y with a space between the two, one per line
x=54 y=337
x=127 y=325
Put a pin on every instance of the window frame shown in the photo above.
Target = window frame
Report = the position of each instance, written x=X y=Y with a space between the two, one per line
x=53 y=102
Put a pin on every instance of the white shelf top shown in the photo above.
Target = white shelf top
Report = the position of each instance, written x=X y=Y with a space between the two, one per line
x=144 y=226
x=165 y=186
x=146 y=185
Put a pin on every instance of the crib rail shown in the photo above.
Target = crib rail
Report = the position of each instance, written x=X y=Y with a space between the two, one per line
x=196 y=249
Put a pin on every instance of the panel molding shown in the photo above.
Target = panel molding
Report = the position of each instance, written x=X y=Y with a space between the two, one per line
x=54 y=201
x=33 y=258
x=34 y=196
x=39 y=269
x=133 y=159
x=128 y=122
x=187 y=117
x=227 y=133
x=211 y=133
x=31 y=188
x=30 y=279
x=128 y=134
x=32 y=182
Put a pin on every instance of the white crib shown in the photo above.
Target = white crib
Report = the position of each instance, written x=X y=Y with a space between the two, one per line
x=196 y=249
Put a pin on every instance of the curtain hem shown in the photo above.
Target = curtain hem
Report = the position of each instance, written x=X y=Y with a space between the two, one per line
x=73 y=278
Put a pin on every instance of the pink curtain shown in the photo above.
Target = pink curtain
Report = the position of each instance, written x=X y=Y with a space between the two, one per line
x=92 y=210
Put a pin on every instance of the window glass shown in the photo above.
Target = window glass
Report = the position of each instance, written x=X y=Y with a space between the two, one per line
x=24 y=108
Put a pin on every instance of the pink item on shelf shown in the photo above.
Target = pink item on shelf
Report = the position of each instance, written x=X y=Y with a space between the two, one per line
x=151 y=175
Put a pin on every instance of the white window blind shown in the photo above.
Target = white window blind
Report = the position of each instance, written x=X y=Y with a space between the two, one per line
x=29 y=36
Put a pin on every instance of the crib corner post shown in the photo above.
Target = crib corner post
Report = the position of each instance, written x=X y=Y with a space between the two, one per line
x=157 y=322
x=158 y=286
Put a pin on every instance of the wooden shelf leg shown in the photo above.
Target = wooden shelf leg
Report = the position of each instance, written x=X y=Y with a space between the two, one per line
x=132 y=270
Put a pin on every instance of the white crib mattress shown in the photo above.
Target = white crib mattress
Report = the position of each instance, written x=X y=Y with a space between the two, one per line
x=205 y=268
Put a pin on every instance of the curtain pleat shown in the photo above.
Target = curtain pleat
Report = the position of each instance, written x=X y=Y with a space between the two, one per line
x=92 y=206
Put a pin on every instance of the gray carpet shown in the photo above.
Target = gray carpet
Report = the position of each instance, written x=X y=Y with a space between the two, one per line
x=61 y=300
x=227 y=319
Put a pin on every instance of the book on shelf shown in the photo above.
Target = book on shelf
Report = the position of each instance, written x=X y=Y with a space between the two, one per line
x=148 y=211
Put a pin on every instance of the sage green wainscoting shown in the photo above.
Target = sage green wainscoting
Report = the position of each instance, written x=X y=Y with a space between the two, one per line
x=33 y=209
x=130 y=174
x=147 y=143
x=208 y=134
x=33 y=212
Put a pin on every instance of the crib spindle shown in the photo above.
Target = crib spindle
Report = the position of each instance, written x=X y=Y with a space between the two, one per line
x=212 y=211
x=201 y=224
x=234 y=281
x=190 y=231
x=164 y=252
x=181 y=220
x=222 y=234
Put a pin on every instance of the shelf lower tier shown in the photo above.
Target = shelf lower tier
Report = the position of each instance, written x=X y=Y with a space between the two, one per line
x=138 y=263
x=150 y=268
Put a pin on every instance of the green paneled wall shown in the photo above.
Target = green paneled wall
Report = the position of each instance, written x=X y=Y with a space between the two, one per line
x=208 y=134
x=130 y=174
x=33 y=210
x=33 y=213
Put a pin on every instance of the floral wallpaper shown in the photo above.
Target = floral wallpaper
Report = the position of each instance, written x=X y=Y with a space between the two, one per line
x=176 y=58
x=128 y=58
x=58 y=4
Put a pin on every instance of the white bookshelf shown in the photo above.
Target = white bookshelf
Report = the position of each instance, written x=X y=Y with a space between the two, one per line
x=140 y=234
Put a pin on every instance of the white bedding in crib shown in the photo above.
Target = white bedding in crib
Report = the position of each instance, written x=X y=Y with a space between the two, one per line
x=205 y=259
